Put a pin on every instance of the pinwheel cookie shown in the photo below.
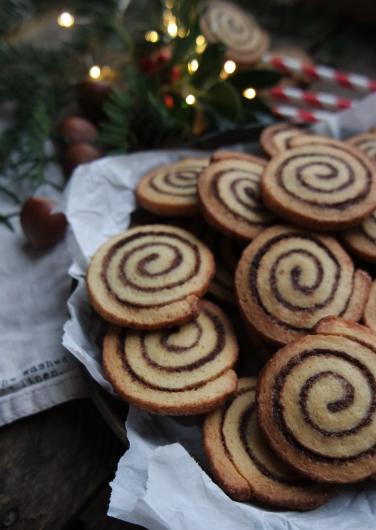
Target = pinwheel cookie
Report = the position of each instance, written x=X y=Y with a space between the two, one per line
x=243 y=464
x=172 y=189
x=229 y=195
x=317 y=402
x=370 y=309
x=320 y=183
x=361 y=239
x=366 y=142
x=150 y=277
x=226 y=22
x=288 y=279
x=227 y=254
x=183 y=370
x=277 y=138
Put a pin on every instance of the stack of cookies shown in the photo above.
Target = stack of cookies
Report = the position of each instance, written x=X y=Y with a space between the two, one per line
x=283 y=246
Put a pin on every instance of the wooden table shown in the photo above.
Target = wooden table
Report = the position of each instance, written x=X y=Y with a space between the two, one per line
x=55 y=468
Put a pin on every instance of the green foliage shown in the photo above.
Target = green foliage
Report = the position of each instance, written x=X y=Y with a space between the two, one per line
x=145 y=108
x=114 y=130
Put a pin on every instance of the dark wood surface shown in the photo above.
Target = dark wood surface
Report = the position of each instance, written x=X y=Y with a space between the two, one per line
x=55 y=468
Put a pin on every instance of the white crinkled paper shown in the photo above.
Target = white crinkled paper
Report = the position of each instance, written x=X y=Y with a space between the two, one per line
x=158 y=483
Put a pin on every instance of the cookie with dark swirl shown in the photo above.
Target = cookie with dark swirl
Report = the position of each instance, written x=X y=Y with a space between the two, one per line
x=150 y=277
x=229 y=196
x=172 y=189
x=288 y=279
x=226 y=22
x=369 y=316
x=277 y=138
x=317 y=402
x=320 y=184
x=366 y=142
x=182 y=371
x=361 y=239
x=243 y=464
x=227 y=254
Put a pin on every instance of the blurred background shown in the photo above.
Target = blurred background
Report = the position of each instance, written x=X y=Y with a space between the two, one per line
x=80 y=79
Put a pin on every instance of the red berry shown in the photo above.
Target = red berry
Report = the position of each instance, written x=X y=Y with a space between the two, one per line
x=168 y=101
x=175 y=73
x=41 y=227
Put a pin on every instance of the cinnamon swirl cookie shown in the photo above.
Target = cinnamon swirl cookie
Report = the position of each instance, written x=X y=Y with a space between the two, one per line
x=288 y=279
x=370 y=309
x=150 y=277
x=181 y=371
x=362 y=239
x=229 y=196
x=226 y=22
x=172 y=189
x=320 y=183
x=227 y=254
x=276 y=138
x=366 y=142
x=243 y=464
x=317 y=402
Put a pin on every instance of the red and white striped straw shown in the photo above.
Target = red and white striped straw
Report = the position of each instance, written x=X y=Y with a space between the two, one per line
x=300 y=115
x=319 y=100
x=322 y=73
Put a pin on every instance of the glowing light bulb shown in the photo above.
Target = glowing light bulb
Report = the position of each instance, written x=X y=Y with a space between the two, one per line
x=193 y=66
x=183 y=32
x=95 y=72
x=152 y=36
x=172 y=29
x=249 y=93
x=65 y=20
x=190 y=99
x=200 y=44
x=200 y=40
x=229 y=67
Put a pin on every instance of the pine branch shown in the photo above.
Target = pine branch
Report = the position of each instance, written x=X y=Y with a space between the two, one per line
x=114 y=131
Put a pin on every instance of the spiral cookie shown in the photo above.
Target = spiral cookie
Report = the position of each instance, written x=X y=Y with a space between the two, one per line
x=229 y=196
x=184 y=370
x=276 y=138
x=370 y=309
x=317 y=402
x=227 y=23
x=288 y=279
x=150 y=277
x=362 y=239
x=320 y=183
x=227 y=254
x=366 y=142
x=243 y=464
x=172 y=189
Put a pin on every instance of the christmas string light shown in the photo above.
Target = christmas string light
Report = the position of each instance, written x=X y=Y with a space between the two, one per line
x=183 y=32
x=229 y=67
x=249 y=93
x=95 y=72
x=192 y=66
x=200 y=44
x=190 y=99
x=65 y=20
x=152 y=36
x=172 y=29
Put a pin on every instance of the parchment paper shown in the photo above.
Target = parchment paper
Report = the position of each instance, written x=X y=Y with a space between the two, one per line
x=160 y=482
